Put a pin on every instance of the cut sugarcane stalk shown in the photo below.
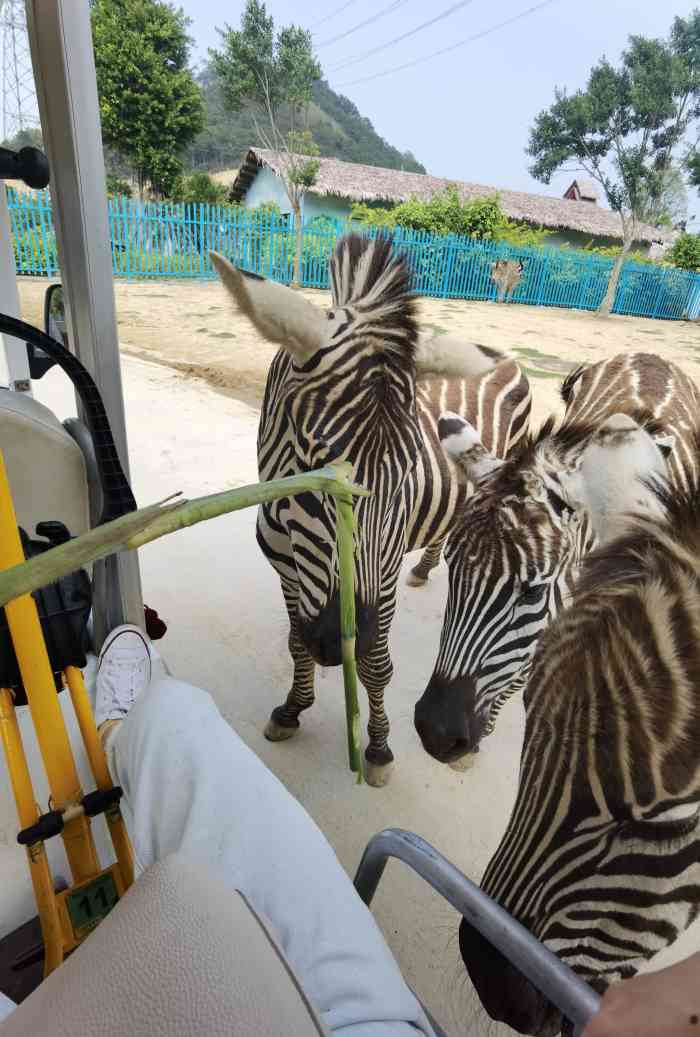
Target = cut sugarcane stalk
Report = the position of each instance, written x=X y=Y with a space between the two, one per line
x=345 y=532
x=157 y=520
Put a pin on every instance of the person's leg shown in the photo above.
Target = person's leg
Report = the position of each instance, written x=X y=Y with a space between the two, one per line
x=191 y=784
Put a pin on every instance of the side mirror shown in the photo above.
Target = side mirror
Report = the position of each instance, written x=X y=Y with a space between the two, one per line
x=54 y=326
x=55 y=314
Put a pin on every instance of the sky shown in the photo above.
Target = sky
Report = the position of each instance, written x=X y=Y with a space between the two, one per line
x=466 y=114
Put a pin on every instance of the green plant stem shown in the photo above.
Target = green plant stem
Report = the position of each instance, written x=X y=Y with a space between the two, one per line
x=141 y=527
x=345 y=531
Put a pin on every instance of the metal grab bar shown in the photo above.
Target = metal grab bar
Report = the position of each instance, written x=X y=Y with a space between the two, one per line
x=574 y=998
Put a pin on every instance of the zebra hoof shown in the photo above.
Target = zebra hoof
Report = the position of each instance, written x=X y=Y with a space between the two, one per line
x=414 y=580
x=378 y=774
x=275 y=732
x=464 y=763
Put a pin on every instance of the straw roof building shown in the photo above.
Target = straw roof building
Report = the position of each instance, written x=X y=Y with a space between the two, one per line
x=573 y=219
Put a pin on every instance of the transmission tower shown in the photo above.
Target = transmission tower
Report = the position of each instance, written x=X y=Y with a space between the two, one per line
x=19 y=106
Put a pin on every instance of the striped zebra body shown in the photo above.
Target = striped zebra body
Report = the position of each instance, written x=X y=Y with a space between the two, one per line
x=640 y=384
x=354 y=397
x=517 y=544
x=601 y=856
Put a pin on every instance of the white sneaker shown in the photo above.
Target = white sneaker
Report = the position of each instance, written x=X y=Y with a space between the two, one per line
x=123 y=672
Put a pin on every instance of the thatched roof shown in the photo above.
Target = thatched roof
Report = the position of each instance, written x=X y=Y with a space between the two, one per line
x=375 y=184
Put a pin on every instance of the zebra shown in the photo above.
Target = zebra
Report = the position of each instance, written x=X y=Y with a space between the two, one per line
x=601 y=855
x=506 y=275
x=343 y=386
x=516 y=545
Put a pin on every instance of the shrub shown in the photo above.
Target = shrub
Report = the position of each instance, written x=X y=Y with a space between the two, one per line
x=685 y=253
x=116 y=186
x=199 y=187
x=446 y=213
x=35 y=252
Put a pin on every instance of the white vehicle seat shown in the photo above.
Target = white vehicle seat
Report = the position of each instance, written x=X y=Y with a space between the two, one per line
x=45 y=466
x=179 y=955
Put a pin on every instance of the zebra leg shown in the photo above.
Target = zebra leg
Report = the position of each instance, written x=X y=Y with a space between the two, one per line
x=284 y=719
x=375 y=672
x=419 y=574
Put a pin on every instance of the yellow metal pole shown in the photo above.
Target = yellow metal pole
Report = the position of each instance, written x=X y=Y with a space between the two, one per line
x=28 y=813
x=100 y=771
x=35 y=668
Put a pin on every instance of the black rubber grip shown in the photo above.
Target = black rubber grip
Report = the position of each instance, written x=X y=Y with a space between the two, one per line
x=46 y=827
x=116 y=492
x=97 y=802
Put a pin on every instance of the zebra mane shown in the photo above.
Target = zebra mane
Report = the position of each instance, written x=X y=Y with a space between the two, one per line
x=650 y=545
x=364 y=274
x=567 y=386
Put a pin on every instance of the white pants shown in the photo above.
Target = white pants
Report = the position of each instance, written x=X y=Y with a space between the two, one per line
x=191 y=784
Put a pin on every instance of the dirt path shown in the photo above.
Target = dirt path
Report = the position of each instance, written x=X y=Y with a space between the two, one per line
x=190 y=326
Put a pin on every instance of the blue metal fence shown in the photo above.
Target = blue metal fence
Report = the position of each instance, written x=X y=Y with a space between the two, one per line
x=162 y=239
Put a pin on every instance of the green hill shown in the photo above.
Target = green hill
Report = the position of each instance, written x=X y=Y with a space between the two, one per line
x=338 y=128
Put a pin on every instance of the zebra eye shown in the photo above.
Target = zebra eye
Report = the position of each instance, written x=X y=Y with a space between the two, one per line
x=530 y=593
x=330 y=315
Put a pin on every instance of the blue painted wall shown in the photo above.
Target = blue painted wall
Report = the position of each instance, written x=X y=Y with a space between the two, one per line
x=325 y=205
x=267 y=187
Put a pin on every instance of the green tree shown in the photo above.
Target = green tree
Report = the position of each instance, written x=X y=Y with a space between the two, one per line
x=199 y=187
x=685 y=252
x=150 y=105
x=269 y=72
x=27 y=138
x=446 y=213
x=623 y=128
x=668 y=207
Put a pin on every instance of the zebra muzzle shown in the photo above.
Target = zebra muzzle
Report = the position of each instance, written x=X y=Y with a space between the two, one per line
x=446 y=721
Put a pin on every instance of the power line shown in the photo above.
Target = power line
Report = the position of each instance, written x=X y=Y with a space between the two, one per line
x=453 y=46
x=368 y=21
x=338 y=10
x=403 y=36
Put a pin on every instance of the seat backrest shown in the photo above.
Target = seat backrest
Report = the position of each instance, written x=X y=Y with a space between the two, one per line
x=179 y=955
x=45 y=465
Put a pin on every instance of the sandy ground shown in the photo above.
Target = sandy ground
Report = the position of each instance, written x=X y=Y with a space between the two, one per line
x=225 y=605
x=191 y=326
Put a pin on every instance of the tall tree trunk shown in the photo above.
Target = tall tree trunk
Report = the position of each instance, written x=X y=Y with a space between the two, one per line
x=296 y=274
x=605 y=308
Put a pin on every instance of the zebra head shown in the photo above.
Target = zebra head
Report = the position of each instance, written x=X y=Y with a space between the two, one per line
x=347 y=393
x=514 y=554
x=601 y=856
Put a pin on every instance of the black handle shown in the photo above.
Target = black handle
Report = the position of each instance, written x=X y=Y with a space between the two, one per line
x=27 y=164
x=116 y=492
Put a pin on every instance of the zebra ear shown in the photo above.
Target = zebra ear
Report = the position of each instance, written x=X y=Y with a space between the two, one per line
x=281 y=315
x=665 y=445
x=461 y=442
x=451 y=356
x=615 y=473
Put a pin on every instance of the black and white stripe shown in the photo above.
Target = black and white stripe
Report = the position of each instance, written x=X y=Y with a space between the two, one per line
x=518 y=541
x=601 y=857
x=348 y=391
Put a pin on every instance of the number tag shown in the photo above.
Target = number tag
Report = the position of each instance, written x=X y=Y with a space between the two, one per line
x=89 y=904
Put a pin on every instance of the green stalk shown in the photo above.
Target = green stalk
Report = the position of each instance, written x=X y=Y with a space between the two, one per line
x=141 y=527
x=345 y=532
x=157 y=520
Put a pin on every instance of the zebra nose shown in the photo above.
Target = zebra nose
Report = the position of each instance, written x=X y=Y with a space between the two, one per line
x=445 y=719
x=505 y=993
